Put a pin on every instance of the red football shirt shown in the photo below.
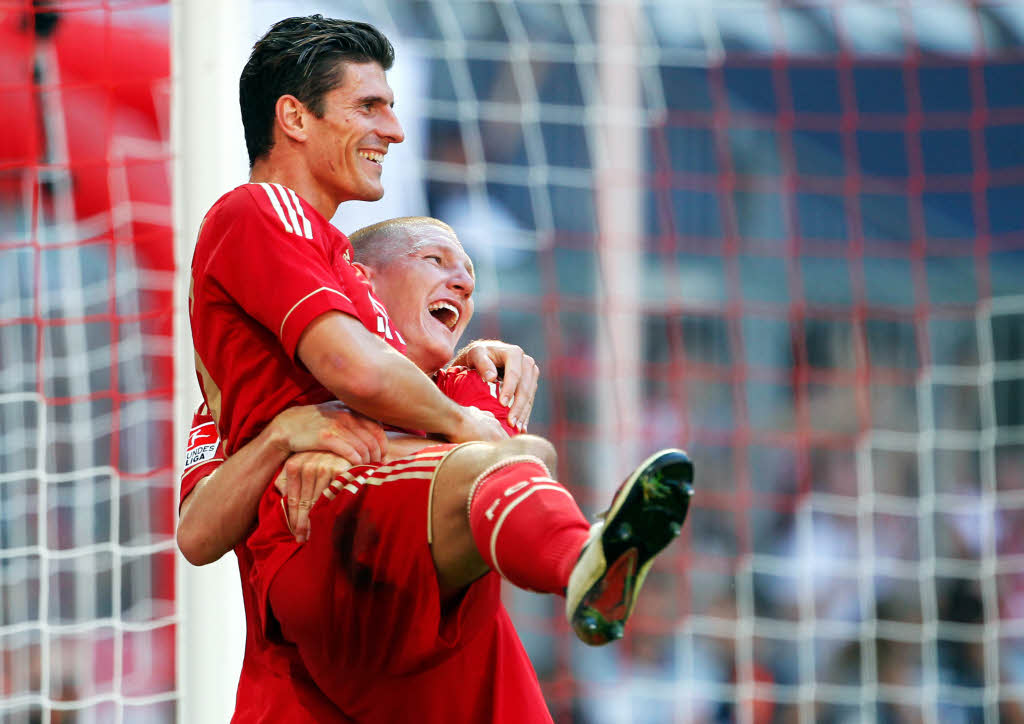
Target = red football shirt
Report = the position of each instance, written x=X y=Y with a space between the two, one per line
x=266 y=264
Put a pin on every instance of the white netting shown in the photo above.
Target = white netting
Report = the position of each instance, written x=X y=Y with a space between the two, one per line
x=87 y=603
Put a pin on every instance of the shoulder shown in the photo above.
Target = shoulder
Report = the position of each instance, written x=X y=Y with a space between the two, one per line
x=463 y=381
x=238 y=201
x=467 y=388
x=266 y=204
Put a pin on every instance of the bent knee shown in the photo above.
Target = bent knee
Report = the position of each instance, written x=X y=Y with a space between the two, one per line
x=532 y=445
x=464 y=466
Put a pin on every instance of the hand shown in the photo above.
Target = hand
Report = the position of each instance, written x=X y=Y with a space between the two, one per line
x=478 y=424
x=304 y=477
x=330 y=427
x=519 y=378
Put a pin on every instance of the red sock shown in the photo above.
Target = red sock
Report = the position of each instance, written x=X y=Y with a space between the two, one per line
x=527 y=526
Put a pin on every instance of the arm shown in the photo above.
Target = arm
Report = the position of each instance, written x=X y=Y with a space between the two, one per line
x=364 y=372
x=314 y=471
x=221 y=509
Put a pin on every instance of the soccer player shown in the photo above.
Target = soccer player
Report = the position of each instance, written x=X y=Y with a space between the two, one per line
x=392 y=591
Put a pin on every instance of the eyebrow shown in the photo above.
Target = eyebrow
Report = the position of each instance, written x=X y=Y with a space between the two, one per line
x=375 y=100
x=425 y=243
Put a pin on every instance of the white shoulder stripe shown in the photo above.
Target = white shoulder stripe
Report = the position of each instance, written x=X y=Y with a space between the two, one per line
x=287 y=203
x=277 y=207
x=296 y=305
x=306 y=227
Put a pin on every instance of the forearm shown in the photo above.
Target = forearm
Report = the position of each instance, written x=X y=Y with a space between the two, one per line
x=368 y=375
x=222 y=508
x=403 y=396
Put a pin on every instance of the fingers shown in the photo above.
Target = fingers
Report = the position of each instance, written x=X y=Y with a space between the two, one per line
x=482 y=356
x=491 y=428
x=292 y=491
x=483 y=364
x=307 y=483
x=352 y=448
x=314 y=479
x=305 y=477
x=355 y=437
x=525 y=392
x=479 y=425
x=377 y=440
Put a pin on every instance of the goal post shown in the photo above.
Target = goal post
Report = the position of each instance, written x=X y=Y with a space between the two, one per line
x=210 y=45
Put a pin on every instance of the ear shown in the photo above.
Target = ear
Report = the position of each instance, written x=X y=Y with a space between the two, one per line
x=366 y=270
x=291 y=115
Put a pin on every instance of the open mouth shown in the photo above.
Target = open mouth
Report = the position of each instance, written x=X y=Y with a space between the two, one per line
x=377 y=158
x=445 y=313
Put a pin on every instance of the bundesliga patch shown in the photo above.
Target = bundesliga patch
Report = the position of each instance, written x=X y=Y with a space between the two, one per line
x=202 y=444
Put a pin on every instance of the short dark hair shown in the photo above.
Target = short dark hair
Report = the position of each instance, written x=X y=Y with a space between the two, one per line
x=303 y=57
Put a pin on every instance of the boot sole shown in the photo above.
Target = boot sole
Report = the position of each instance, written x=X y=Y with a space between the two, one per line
x=647 y=513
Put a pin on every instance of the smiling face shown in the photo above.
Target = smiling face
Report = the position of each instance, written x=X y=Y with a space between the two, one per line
x=347 y=145
x=427 y=287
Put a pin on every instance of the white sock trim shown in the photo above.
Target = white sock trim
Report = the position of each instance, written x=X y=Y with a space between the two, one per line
x=508 y=509
x=494 y=468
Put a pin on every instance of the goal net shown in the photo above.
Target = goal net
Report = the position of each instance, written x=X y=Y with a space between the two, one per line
x=787 y=237
x=87 y=597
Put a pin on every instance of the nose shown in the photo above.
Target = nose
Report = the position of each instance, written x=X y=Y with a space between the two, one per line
x=391 y=129
x=461 y=281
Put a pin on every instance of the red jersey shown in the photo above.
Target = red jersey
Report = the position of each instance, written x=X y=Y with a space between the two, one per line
x=266 y=264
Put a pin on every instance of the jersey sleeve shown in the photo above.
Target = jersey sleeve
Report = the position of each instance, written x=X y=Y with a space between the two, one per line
x=272 y=263
x=204 y=452
x=464 y=386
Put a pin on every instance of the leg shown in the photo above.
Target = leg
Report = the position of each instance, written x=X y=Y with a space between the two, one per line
x=360 y=599
x=456 y=555
x=526 y=527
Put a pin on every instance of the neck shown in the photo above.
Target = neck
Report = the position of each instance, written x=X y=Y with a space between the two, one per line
x=299 y=179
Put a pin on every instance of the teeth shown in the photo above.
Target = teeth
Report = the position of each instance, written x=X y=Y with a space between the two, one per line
x=371 y=156
x=445 y=305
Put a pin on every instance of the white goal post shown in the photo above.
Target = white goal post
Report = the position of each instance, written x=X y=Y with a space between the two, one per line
x=208 y=53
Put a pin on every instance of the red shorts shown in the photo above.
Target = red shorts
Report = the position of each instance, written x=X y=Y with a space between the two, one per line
x=361 y=602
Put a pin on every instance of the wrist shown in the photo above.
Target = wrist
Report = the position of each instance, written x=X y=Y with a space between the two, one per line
x=276 y=441
x=456 y=422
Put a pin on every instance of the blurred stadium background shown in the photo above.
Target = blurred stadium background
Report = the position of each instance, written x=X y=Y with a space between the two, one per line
x=788 y=236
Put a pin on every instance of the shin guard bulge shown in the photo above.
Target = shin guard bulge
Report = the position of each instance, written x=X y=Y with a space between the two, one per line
x=527 y=526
